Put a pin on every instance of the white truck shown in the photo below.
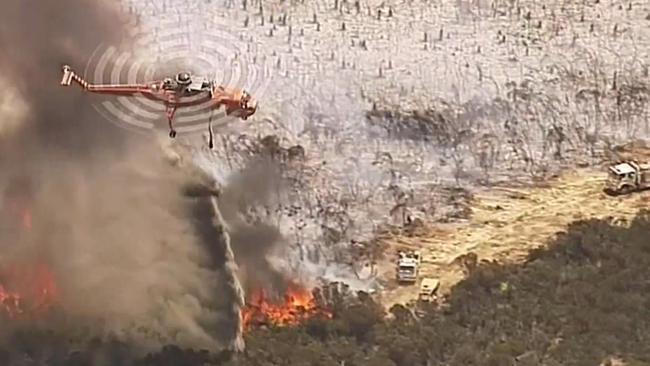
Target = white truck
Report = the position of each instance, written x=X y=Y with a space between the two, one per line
x=627 y=177
x=408 y=266
x=429 y=290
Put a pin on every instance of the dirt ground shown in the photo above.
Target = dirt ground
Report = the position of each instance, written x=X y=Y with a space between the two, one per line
x=506 y=224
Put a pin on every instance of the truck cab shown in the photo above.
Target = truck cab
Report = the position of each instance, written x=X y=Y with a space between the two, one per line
x=408 y=265
x=627 y=177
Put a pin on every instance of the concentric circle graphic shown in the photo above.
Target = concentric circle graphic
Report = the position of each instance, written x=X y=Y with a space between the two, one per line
x=205 y=48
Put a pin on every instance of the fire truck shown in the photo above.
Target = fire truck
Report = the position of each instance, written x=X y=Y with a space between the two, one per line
x=408 y=266
x=429 y=290
x=627 y=177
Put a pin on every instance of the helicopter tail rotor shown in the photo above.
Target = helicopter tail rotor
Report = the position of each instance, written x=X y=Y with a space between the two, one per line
x=69 y=75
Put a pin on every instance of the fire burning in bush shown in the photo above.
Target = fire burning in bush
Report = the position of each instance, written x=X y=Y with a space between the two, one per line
x=26 y=290
x=297 y=306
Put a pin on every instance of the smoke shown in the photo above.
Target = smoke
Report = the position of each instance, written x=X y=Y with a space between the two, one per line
x=42 y=36
x=133 y=258
x=231 y=271
x=12 y=109
x=246 y=201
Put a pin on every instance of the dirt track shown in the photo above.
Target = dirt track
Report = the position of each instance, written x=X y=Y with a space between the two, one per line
x=507 y=223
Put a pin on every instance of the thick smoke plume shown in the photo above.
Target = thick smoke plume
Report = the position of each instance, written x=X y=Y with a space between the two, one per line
x=245 y=201
x=134 y=254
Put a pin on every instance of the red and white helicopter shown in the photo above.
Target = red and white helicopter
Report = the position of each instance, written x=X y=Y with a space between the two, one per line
x=180 y=91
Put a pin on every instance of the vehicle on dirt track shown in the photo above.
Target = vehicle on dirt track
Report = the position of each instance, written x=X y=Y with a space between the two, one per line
x=408 y=266
x=627 y=177
x=429 y=290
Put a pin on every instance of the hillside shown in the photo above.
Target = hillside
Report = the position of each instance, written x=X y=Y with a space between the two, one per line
x=506 y=224
x=582 y=299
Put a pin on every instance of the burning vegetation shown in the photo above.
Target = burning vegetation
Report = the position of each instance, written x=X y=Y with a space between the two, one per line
x=26 y=290
x=297 y=305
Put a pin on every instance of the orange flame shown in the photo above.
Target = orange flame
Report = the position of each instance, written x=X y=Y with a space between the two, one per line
x=27 y=290
x=298 y=305
x=10 y=302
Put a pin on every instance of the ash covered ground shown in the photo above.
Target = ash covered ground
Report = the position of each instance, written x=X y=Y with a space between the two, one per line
x=379 y=111
x=407 y=108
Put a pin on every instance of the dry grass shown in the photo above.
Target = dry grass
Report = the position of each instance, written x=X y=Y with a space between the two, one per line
x=506 y=224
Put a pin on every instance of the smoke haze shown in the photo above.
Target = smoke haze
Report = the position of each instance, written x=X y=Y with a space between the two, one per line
x=132 y=256
x=243 y=200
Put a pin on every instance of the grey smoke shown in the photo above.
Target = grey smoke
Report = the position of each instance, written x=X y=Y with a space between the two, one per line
x=245 y=202
x=139 y=253
x=231 y=271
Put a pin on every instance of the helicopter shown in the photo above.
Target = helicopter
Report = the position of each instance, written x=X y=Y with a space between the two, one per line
x=174 y=92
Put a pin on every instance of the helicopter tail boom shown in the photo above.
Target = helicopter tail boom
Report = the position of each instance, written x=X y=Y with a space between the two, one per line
x=117 y=89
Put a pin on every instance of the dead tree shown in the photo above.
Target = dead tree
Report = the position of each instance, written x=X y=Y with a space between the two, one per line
x=487 y=152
